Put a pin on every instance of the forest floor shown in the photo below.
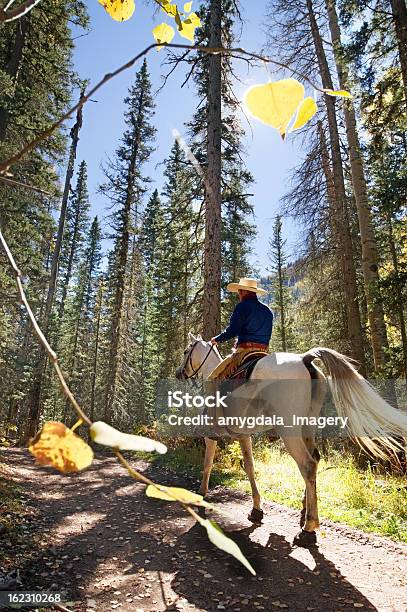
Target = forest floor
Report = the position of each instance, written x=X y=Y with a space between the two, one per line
x=97 y=538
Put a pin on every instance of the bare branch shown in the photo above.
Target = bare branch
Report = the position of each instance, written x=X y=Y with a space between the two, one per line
x=5 y=165
x=15 y=183
x=53 y=358
x=51 y=354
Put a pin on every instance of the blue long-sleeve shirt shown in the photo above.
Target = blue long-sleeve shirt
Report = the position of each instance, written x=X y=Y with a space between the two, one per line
x=251 y=321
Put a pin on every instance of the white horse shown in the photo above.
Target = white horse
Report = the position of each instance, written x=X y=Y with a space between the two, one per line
x=284 y=385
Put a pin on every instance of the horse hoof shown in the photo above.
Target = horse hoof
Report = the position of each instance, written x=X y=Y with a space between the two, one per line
x=302 y=518
x=305 y=539
x=256 y=515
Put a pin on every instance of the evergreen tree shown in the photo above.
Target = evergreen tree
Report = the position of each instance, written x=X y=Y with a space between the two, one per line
x=36 y=80
x=281 y=291
x=125 y=186
x=177 y=267
x=236 y=232
x=76 y=225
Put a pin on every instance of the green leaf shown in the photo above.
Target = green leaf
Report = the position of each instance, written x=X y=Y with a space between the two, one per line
x=219 y=539
x=104 y=434
x=182 y=495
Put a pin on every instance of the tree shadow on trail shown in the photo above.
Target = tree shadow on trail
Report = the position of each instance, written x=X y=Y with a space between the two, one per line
x=281 y=582
x=116 y=535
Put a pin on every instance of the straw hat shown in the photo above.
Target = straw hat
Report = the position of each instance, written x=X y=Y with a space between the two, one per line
x=249 y=284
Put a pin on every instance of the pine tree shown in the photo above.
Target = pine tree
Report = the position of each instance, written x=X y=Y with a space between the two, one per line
x=282 y=299
x=33 y=93
x=177 y=267
x=370 y=256
x=236 y=230
x=77 y=222
x=125 y=186
x=288 y=33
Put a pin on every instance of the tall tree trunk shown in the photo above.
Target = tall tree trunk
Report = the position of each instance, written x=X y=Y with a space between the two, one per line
x=213 y=195
x=35 y=399
x=282 y=310
x=344 y=239
x=399 y=11
x=399 y=294
x=368 y=241
x=69 y=267
x=12 y=67
x=99 y=301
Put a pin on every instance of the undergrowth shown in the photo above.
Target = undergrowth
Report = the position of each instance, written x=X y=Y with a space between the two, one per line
x=13 y=518
x=366 y=498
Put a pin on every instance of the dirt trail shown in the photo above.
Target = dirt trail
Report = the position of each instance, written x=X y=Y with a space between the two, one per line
x=109 y=547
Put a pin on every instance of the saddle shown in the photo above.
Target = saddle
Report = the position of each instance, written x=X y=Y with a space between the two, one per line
x=245 y=370
x=229 y=385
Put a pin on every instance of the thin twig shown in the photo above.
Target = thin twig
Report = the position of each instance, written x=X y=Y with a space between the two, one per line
x=5 y=165
x=53 y=358
x=51 y=354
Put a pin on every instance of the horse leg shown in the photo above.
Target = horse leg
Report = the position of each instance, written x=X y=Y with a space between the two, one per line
x=210 y=448
x=256 y=515
x=308 y=468
x=309 y=439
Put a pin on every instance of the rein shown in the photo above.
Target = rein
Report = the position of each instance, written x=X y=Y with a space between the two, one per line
x=189 y=361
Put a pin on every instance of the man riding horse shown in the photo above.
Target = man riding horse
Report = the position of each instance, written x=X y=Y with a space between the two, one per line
x=251 y=322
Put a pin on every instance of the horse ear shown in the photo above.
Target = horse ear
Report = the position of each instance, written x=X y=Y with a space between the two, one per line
x=191 y=337
x=199 y=337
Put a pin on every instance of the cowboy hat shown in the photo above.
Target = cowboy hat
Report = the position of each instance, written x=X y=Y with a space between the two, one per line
x=248 y=284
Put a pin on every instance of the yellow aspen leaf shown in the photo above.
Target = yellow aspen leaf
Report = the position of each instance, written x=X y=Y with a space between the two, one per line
x=188 y=26
x=183 y=495
x=342 y=93
x=104 y=434
x=120 y=10
x=58 y=446
x=170 y=9
x=219 y=539
x=163 y=33
x=275 y=103
x=188 y=7
x=306 y=110
x=194 y=19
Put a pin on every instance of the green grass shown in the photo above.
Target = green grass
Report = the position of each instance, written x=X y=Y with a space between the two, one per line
x=347 y=494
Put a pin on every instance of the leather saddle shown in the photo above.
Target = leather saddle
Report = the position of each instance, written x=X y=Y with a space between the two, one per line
x=245 y=370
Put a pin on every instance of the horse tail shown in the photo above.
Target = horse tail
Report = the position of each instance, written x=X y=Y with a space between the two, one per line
x=371 y=421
